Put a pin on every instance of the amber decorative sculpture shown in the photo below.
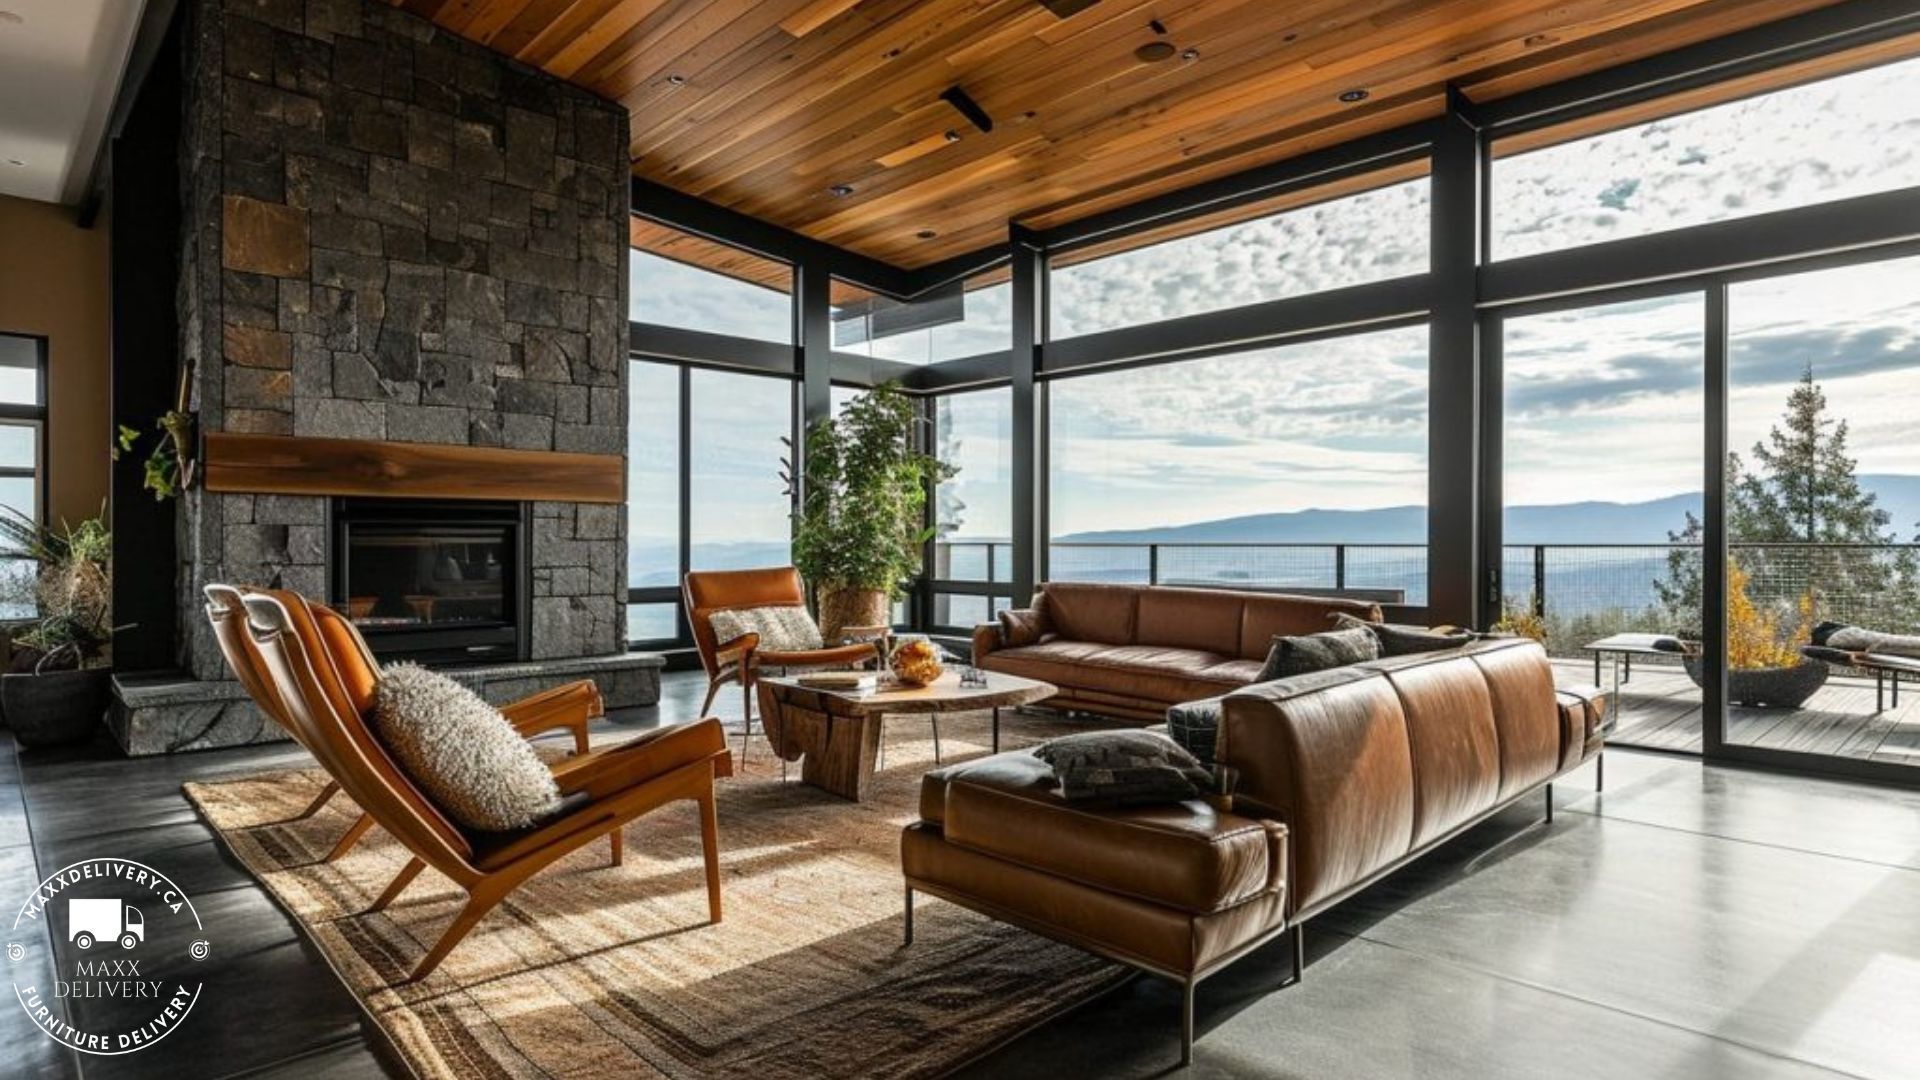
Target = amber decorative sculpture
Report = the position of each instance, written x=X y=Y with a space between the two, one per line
x=916 y=662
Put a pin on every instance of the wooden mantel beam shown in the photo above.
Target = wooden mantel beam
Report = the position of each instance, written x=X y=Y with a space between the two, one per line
x=287 y=465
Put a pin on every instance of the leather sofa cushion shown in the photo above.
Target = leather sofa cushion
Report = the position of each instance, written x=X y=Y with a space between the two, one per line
x=1190 y=619
x=1082 y=611
x=1164 y=675
x=1264 y=618
x=1182 y=855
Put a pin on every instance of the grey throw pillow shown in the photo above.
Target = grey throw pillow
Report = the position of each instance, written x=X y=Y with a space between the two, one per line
x=1309 y=653
x=782 y=627
x=1123 y=768
x=1398 y=640
x=1859 y=639
x=461 y=751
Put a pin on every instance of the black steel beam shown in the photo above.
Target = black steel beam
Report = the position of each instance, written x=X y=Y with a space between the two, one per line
x=1308 y=170
x=1713 y=556
x=856 y=370
x=695 y=215
x=1770 y=45
x=156 y=20
x=969 y=372
x=1867 y=221
x=957 y=268
x=1029 y=511
x=813 y=294
x=1336 y=310
x=1454 y=433
x=656 y=342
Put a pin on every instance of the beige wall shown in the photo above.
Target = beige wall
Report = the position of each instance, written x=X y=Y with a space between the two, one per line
x=53 y=282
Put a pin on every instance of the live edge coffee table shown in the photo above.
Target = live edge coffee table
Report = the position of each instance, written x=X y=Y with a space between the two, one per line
x=838 y=732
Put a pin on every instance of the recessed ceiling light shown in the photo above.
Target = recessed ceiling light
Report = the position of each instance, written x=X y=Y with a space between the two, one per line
x=12 y=18
x=1153 y=52
x=1351 y=96
x=676 y=80
x=1190 y=55
x=926 y=234
x=953 y=136
x=840 y=191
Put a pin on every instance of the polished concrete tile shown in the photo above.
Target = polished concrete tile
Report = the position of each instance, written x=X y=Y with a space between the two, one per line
x=1835 y=817
x=1811 y=956
x=1366 y=1010
x=24 y=1049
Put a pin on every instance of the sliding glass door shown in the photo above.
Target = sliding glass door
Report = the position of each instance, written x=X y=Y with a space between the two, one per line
x=1822 y=505
x=1602 y=459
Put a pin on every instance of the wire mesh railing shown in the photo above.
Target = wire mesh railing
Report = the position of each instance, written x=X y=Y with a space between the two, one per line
x=1579 y=592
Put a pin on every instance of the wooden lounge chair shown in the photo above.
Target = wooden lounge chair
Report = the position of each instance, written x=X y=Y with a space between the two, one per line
x=303 y=652
x=742 y=659
x=571 y=706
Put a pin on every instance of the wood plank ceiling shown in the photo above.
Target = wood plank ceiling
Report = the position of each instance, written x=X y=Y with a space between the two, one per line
x=766 y=106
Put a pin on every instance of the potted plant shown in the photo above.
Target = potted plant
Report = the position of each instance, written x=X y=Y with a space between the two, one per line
x=1764 y=663
x=859 y=529
x=55 y=689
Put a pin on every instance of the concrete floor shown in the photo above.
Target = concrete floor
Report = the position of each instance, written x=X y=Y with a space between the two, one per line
x=1690 y=922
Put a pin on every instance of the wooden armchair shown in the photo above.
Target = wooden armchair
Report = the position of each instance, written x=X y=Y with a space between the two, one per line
x=741 y=659
x=571 y=706
x=324 y=688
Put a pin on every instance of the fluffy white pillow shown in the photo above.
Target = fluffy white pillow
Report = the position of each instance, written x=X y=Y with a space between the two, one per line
x=461 y=751
x=784 y=628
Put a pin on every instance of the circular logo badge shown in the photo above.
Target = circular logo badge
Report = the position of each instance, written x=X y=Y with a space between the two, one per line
x=104 y=956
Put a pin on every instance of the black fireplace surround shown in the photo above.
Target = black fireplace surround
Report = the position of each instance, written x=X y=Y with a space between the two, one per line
x=439 y=581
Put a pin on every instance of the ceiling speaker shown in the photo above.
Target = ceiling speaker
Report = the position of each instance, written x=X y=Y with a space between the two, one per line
x=1067 y=8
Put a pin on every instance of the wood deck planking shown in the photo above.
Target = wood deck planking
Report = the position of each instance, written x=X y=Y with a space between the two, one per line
x=1660 y=709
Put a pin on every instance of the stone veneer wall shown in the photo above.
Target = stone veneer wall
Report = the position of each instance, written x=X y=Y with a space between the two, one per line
x=391 y=233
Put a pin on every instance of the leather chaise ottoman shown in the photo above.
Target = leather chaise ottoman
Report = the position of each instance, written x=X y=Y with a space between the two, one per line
x=1179 y=890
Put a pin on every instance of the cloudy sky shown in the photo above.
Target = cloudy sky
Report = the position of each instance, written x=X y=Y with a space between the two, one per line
x=1604 y=403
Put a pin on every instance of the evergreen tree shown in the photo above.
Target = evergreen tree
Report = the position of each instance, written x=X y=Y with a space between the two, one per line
x=1790 y=519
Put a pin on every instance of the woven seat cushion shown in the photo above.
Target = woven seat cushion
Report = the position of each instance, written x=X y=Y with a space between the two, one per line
x=461 y=751
x=781 y=627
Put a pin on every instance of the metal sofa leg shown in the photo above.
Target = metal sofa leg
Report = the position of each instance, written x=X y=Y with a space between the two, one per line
x=1600 y=772
x=1186 y=1023
x=1299 y=936
x=1549 y=804
x=909 y=918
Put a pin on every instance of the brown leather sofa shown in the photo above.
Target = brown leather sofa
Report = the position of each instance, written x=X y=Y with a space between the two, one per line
x=1344 y=776
x=1132 y=651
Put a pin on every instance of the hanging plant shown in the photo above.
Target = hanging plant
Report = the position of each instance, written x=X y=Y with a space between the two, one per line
x=169 y=464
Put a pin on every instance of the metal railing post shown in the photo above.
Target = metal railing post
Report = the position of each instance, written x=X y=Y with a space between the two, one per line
x=1540 y=581
x=1153 y=564
x=1339 y=566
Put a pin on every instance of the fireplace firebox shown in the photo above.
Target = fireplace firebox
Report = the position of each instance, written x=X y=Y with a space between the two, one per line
x=437 y=581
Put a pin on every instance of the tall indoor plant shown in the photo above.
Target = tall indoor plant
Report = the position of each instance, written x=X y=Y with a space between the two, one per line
x=56 y=687
x=860 y=526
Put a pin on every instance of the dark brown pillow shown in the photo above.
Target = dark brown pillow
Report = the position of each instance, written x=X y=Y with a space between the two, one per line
x=1123 y=768
x=1021 y=626
x=1307 y=653
x=1396 y=640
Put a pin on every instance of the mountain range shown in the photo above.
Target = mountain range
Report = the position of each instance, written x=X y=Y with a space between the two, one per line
x=1566 y=523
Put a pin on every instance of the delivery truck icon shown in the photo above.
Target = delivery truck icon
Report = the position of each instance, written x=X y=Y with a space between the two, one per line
x=89 y=921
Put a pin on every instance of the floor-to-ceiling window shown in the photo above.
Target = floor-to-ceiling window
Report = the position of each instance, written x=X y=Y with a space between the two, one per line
x=1823 y=508
x=973 y=548
x=1290 y=467
x=1603 y=470
x=653 y=500
x=711 y=415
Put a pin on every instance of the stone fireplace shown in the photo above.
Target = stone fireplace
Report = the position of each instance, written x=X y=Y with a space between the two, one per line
x=392 y=235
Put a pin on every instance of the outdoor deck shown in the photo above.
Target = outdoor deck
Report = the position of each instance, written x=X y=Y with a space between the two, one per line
x=1660 y=710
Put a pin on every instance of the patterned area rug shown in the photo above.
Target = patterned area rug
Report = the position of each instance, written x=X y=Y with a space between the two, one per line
x=594 y=970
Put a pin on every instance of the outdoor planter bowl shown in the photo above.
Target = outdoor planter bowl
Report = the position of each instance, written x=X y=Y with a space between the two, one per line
x=1779 y=687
